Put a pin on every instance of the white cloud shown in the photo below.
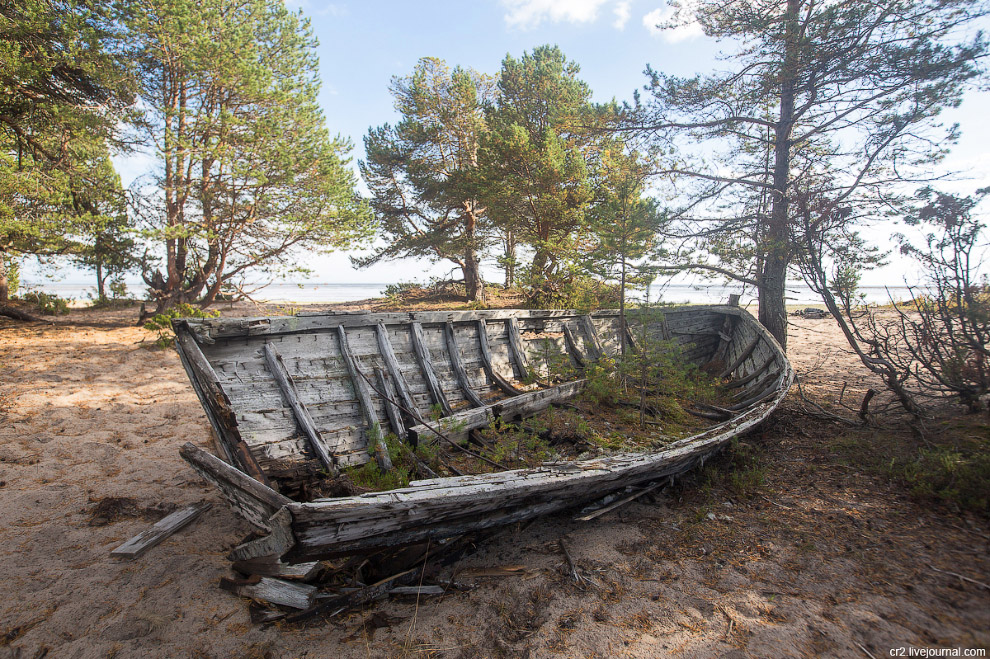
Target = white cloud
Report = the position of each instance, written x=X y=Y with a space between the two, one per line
x=621 y=11
x=530 y=13
x=684 y=31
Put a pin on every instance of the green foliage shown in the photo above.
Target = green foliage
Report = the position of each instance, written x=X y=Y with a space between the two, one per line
x=371 y=477
x=961 y=477
x=66 y=95
x=251 y=178
x=161 y=323
x=48 y=304
x=422 y=172
x=535 y=164
x=819 y=116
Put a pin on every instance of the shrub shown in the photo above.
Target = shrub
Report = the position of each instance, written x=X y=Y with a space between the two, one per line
x=48 y=304
x=162 y=323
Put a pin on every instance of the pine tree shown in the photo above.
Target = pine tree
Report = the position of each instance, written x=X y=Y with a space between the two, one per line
x=422 y=172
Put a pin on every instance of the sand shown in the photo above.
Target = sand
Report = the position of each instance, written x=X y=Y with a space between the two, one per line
x=819 y=559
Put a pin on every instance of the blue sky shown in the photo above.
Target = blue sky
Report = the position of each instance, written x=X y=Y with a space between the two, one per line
x=364 y=44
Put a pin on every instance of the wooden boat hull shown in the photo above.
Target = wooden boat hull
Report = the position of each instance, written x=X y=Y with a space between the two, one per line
x=261 y=442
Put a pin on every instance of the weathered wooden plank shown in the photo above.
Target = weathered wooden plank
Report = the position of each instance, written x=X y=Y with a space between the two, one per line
x=389 y=395
x=752 y=376
x=592 y=333
x=747 y=351
x=305 y=421
x=572 y=347
x=426 y=366
x=375 y=437
x=458 y=366
x=516 y=351
x=486 y=360
x=725 y=339
x=252 y=500
x=162 y=529
x=274 y=568
x=216 y=403
x=272 y=591
x=457 y=426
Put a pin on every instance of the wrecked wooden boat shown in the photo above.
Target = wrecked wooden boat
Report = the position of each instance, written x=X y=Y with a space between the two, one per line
x=293 y=397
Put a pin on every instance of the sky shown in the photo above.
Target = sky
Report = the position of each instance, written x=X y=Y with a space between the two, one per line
x=364 y=44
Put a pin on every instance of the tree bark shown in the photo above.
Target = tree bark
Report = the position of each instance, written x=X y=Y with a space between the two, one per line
x=473 y=283
x=4 y=281
x=772 y=281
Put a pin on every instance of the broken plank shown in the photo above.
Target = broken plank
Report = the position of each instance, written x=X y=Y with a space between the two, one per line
x=162 y=529
x=458 y=366
x=288 y=389
x=742 y=357
x=272 y=591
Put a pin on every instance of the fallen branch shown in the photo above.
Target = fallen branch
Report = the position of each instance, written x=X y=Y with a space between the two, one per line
x=578 y=579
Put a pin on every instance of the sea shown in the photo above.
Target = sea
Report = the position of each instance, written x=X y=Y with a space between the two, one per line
x=327 y=292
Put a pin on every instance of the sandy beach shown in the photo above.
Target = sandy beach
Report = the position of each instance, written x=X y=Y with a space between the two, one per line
x=817 y=557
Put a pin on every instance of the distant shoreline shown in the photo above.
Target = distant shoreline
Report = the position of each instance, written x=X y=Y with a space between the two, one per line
x=304 y=293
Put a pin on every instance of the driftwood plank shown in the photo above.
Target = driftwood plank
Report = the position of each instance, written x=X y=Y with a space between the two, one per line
x=426 y=365
x=375 y=437
x=516 y=347
x=486 y=360
x=303 y=417
x=458 y=366
x=272 y=591
x=162 y=529
x=456 y=427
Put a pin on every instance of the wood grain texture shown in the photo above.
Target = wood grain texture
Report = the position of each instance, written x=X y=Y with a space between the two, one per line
x=455 y=361
x=162 y=529
x=426 y=365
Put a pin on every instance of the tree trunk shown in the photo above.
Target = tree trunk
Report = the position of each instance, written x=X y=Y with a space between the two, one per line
x=772 y=281
x=101 y=293
x=472 y=277
x=4 y=281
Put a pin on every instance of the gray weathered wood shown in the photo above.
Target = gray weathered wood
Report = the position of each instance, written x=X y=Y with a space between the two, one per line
x=516 y=350
x=457 y=426
x=426 y=365
x=162 y=529
x=278 y=569
x=458 y=366
x=389 y=395
x=593 y=341
x=216 y=403
x=254 y=501
x=725 y=339
x=303 y=418
x=392 y=364
x=572 y=346
x=752 y=376
x=486 y=360
x=272 y=591
x=374 y=426
x=747 y=351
